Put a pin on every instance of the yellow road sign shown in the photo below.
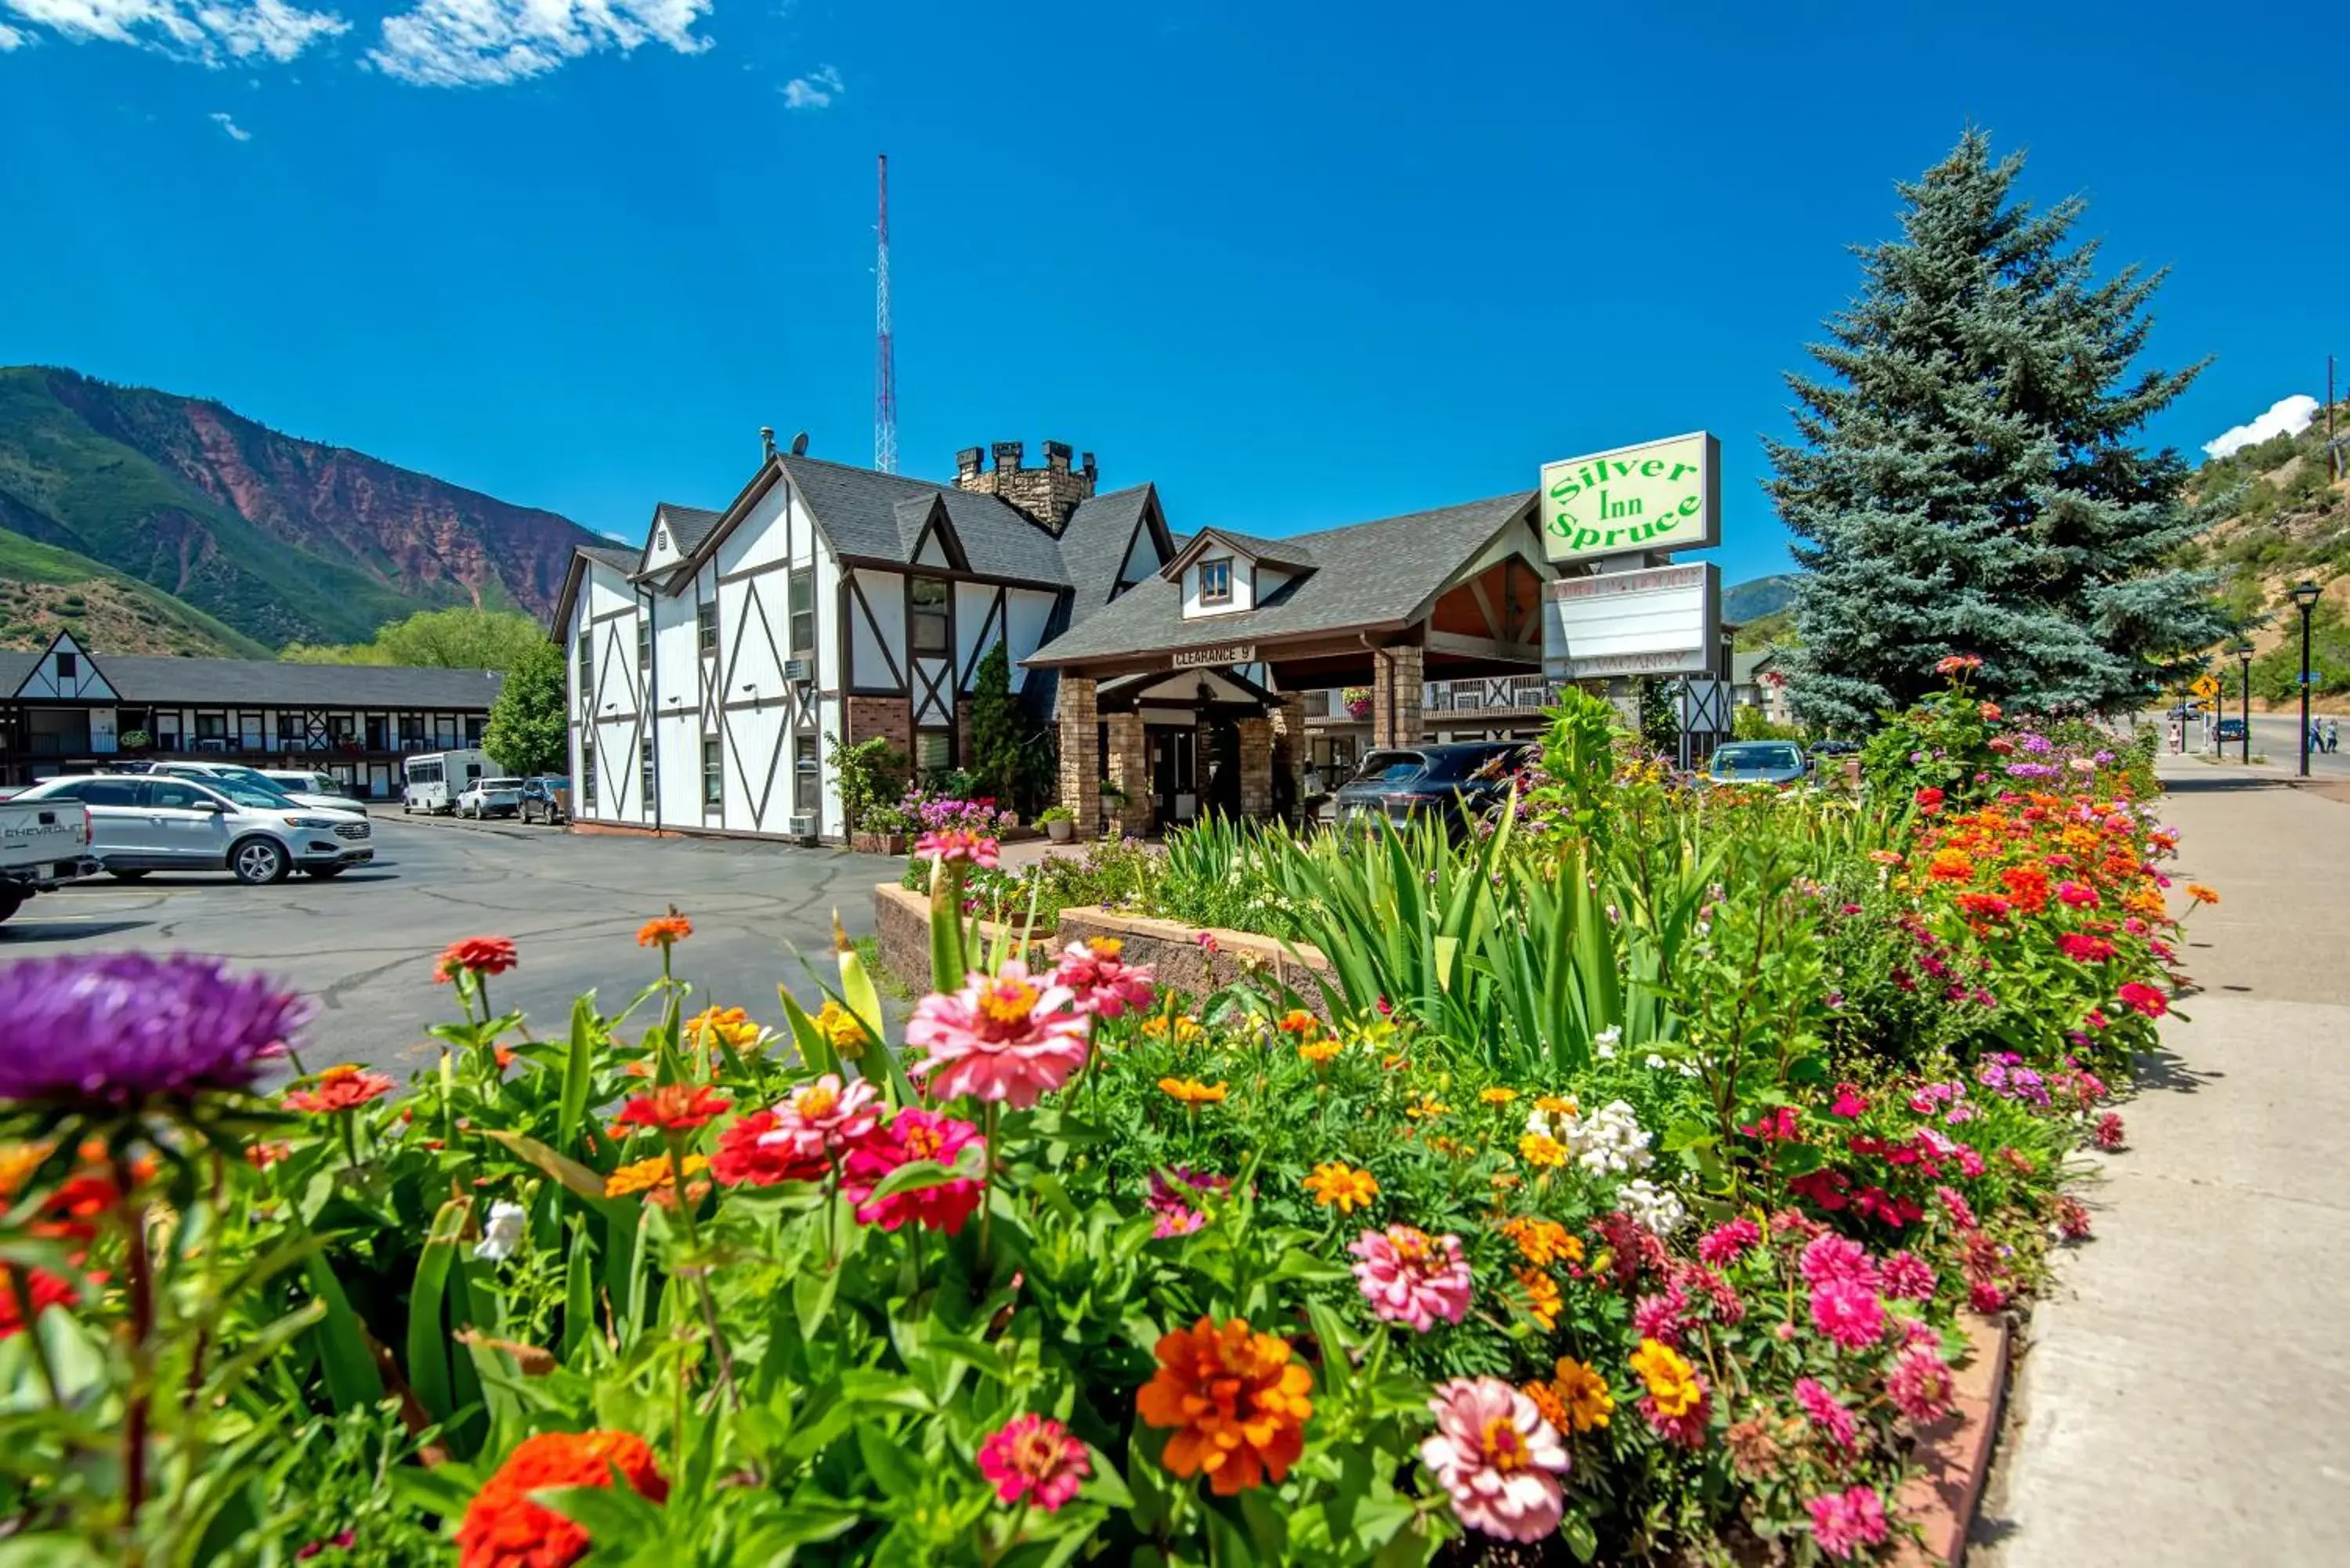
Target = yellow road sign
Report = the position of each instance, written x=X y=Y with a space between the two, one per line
x=2206 y=686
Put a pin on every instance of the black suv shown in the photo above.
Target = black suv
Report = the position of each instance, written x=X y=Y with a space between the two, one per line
x=545 y=799
x=1457 y=783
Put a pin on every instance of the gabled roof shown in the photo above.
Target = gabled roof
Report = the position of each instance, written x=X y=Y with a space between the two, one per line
x=1293 y=552
x=140 y=680
x=858 y=510
x=1094 y=546
x=613 y=556
x=1367 y=577
x=688 y=526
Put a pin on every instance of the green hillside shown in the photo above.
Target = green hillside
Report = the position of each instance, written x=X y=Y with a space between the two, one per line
x=45 y=589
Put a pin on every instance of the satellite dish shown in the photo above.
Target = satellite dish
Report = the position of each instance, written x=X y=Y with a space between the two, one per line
x=799 y=444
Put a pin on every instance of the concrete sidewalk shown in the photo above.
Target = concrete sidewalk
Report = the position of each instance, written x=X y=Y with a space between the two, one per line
x=2185 y=1390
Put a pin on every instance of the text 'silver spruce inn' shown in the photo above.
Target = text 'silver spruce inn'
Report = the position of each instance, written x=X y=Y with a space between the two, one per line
x=712 y=669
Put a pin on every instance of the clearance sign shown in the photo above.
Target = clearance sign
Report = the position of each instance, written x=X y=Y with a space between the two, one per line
x=1661 y=495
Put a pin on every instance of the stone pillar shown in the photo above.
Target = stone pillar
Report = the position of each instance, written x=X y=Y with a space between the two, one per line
x=1289 y=749
x=1080 y=753
x=1256 y=767
x=1129 y=770
x=1395 y=697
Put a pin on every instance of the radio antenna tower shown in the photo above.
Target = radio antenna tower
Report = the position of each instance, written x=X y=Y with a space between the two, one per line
x=885 y=359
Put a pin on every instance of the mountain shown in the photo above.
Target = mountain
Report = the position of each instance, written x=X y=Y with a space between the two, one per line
x=45 y=590
x=2285 y=518
x=276 y=538
x=1763 y=596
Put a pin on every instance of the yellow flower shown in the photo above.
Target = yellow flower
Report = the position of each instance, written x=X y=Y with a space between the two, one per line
x=841 y=1030
x=1321 y=1052
x=1428 y=1107
x=646 y=1174
x=1558 y=1104
x=1496 y=1096
x=1542 y=1150
x=1192 y=1092
x=1543 y=1303
x=1389 y=1064
x=1584 y=1393
x=1188 y=1029
x=731 y=1025
x=1543 y=1242
x=1671 y=1380
x=1341 y=1186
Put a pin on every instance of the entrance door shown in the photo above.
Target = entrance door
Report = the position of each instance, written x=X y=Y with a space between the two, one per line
x=1173 y=770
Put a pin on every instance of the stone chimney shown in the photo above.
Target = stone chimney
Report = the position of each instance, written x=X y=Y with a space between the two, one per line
x=1046 y=496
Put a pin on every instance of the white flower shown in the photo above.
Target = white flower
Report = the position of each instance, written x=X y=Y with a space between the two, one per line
x=1690 y=1070
x=503 y=1234
x=1605 y=1043
x=1610 y=1143
x=1564 y=1127
x=1656 y=1063
x=1658 y=1209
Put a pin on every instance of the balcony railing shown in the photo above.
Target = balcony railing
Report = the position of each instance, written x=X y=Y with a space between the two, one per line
x=1506 y=694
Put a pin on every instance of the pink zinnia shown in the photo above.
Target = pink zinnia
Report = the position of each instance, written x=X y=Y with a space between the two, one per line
x=2077 y=895
x=1848 y=1314
x=2142 y=998
x=2072 y=1220
x=913 y=1134
x=1986 y=1297
x=1726 y=1243
x=824 y=1117
x=1962 y=1214
x=1833 y=1258
x=1100 y=982
x=1034 y=1459
x=2083 y=947
x=1003 y=1038
x=958 y=843
x=1908 y=1277
x=1498 y=1458
x=1411 y=1277
x=2109 y=1130
x=1919 y=1385
x=1827 y=1414
x=1171 y=1195
x=1843 y=1522
x=1849 y=1102
x=1659 y=1317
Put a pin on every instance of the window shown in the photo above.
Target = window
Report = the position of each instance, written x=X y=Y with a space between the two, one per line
x=644 y=644
x=705 y=625
x=170 y=795
x=645 y=775
x=289 y=728
x=804 y=799
x=801 y=597
x=69 y=667
x=212 y=726
x=474 y=724
x=586 y=664
x=933 y=750
x=714 y=775
x=411 y=732
x=928 y=603
x=588 y=775
x=1216 y=582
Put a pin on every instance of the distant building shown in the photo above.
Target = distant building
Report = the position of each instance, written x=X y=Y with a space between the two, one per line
x=1759 y=679
x=65 y=709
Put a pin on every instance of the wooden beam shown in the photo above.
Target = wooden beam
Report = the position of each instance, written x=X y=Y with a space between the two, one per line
x=1484 y=648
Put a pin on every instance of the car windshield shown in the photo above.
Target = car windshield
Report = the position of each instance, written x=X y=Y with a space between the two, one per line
x=1733 y=760
x=1460 y=764
x=502 y=784
x=263 y=797
x=1391 y=767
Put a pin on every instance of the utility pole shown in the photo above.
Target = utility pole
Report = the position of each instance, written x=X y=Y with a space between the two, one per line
x=885 y=358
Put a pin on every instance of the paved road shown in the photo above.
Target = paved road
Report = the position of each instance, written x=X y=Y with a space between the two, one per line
x=2276 y=736
x=2184 y=1388
x=364 y=944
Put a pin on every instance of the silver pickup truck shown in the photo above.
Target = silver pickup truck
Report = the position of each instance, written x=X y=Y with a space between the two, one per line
x=42 y=843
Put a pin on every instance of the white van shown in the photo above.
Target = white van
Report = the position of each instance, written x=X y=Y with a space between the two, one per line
x=431 y=781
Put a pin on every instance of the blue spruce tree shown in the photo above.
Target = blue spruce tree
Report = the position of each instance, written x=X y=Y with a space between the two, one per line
x=1966 y=483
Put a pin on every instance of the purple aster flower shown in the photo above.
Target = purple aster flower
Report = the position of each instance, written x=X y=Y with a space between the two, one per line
x=116 y=1030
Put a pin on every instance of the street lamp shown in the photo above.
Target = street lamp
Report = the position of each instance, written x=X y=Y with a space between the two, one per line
x=2242 y=650
x=2305 y=599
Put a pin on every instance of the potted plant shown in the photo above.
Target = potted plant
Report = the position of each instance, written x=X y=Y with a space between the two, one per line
x=882 y=830
x=1357 y=701
x=134 y=740
x=1059 y=823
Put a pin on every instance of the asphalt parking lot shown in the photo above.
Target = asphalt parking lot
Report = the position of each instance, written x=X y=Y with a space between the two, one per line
x=363 y=944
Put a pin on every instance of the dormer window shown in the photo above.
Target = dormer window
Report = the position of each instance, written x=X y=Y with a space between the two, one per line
x=1216 y=581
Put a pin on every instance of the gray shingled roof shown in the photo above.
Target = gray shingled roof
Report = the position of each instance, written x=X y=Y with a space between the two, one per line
x=1094 y=546
x=1290 y=552
x=623 y=561
x=1366 y=575
x=688 y=526
x=858 y=508
x=257 y=682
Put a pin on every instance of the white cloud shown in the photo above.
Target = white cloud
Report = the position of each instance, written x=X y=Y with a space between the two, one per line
x=2287 y=416
x=208 y=32
x=814 y=90
x=235 y=131
x=477 y=42
x=11 y=40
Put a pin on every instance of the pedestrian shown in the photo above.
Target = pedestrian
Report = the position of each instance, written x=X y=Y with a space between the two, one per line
x=2332 y=733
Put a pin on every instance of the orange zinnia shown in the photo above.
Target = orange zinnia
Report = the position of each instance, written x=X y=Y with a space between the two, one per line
x=1237 y=1399
x=664 y=931
x=341 y=1087
x=504 y=1529
x=474 y=956
x=673 y=1107
x=2200 y=894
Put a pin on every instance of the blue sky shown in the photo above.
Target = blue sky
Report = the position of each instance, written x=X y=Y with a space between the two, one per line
x=1299 y=265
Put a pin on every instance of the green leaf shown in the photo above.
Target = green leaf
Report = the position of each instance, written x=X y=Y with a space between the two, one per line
x=816 y=1050
x=891 y=1469
x=571 y=1111
x=352 y=1380
x=920 y=1175
x=428 y=1335
x=1337 y=1364
x=812 y=1294
x=575 y=1178
x=578 y=1295
x=949 y=960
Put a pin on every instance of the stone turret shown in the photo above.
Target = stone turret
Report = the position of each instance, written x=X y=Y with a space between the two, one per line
x=1045 y=496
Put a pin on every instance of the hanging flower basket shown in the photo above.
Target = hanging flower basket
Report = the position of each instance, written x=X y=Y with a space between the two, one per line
x=1357 y=701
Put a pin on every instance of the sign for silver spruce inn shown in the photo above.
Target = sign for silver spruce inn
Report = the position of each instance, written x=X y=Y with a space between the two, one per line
x=1228 y=653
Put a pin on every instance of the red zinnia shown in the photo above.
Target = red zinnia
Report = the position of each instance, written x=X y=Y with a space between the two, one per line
x=673 y=1107
x=45 y=1289
x=342 y=1087
x=1930 y=800
x=475 y=956
x=2143 y=998
x=744 y=1156
x=2083 y=947
x=504 y=1528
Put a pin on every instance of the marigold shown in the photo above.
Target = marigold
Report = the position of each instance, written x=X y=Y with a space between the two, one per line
x=1544 y=1302
x=1558 y=1104
x=1192 y=1092
x=504 y=1528
x=1338 y=1185
x=474 y=956
x=1427 y=1108
x=1542 y=1151
x=1320 y=1052
x=673 y=1107
x=1547 y=1401
x=841 y=1029
x=1496 y=1096
x=1187 y=1030
x=664 y=931
x=342 y=1087
x=1543 y=1242
x=728 y=1025
x=1238 y=1401
x=1300 y=1023
x=644 y=1175
x=1671 y=1381
x=1584 y=1393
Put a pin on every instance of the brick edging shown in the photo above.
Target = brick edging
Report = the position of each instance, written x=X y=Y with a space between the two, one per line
x=1955 y=1452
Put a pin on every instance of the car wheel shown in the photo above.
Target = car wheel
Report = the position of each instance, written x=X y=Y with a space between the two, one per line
x=131 y=876
x=324 y=873
x=10 y=903
x=258 y=861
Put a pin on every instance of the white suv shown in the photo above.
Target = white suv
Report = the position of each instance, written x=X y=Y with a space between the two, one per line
x=215 y=772
x=140 y=824
x=490 y=797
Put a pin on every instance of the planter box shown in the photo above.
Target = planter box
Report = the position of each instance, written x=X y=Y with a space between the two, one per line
x=878 y=843
x=901 y=922
x=1955 y=1453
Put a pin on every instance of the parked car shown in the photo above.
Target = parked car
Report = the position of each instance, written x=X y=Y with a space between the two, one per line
x=546 y=798
x=490 y=797
x=431 y=782
x=1457 y=782
x=254 y=778
x=165 y=823
x=2230 y=730
x=43 y=846
x=326 y=788
x=1757 y=763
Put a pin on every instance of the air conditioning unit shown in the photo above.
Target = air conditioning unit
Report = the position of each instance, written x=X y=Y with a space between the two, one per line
x=799 y=670
x=800 y=827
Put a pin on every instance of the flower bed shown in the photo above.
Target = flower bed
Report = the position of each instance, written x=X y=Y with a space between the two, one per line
x=1633 y=1202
